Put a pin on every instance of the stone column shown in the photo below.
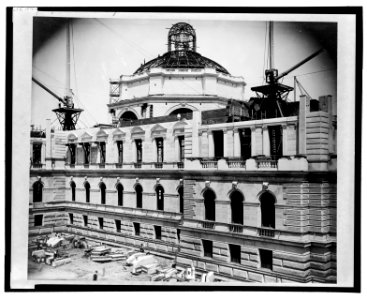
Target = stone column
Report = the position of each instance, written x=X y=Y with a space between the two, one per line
x=211 y=144
x=177 y=148
x=43 y=153
x=266 y=141
x=48 y=144
x=304 y=109
x=227 y=143
x=204 y=144
x=292 y=139
x=236 y=143
x=285 y=139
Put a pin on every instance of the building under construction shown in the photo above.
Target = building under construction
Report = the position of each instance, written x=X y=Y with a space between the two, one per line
x=193 y=170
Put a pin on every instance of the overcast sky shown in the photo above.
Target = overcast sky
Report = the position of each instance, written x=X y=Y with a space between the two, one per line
x=107 y=48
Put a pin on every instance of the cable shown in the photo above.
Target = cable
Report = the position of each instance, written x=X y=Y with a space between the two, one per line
x=266 y=34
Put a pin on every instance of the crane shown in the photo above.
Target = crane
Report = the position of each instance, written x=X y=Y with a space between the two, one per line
x=66 y=113
x=271 y=103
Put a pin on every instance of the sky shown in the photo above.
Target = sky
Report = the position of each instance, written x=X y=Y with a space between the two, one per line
x=104 y=49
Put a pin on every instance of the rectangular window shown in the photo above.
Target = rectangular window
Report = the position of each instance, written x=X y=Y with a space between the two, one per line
x=37 y=153
x=100 y=221
x=158 y=232
x=218 y=144
x=245 y=139
x=72 y=150
x=235 y=253
x=276 y=141
x=71 y=218
x=85 y=219
x=181 y=142
x=118 y=225
x=151 y=111
x=120 y=152
x=139 y=151
x=38 y=220
x=159 y=142
x=137 y=228
x=86 y=148
x=266 y=259
x=208 y=248
x=102 y=152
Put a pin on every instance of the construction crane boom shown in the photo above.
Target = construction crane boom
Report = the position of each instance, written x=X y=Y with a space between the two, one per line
x=299 y=64
x=48 y=90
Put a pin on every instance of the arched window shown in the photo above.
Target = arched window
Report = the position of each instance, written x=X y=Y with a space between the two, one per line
x=236 y=207
x=37 y=191
x=120 y=190
x=180 y=193
x=160 y=197
x=209 y=205
x=102 y=188
x=267 y=203
x=73 y=186
x=87 y=191
x=139 y=196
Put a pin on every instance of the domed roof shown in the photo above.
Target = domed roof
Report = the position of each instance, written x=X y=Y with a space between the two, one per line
x=181 y=59
x=181 y=52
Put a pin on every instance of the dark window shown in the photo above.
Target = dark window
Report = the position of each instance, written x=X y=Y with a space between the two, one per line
x=73 y=186
x=71 y=218
x=38 y=220
x=159 y=142
x=158 y=232
x=102 y=187
x=87 y=191
x=237 y=207
x=139 y=151
x=267 y=204
x=120 y=193
x=208 y=248
x=181 y=143
x=128 y=116
x=37 y=150
x=100 y=221
x=120 y=151
x=179 y=234
x=102 y=152
x=235 y=252
x=139 y=196
x=86 y=148
x=181 y=196
x=276 y=141
x=151 y=111
x=85 y=219
x=118 y=225
x=160 y=197
x=72 y=148
x=37 y=191
x=266 y=258
x=137 y=228
x=245 y=139
x=209 y=205
x=218 y=144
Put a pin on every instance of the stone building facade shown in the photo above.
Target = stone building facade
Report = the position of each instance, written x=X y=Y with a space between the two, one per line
x=172 y=174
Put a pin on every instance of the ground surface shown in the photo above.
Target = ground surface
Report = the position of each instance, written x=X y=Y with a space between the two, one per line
x=82 y=268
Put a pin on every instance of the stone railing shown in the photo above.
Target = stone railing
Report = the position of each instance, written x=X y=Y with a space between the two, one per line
x=268 y=232
x=207 y=224
x=38 y=165
x=266 y=163
x=209 y=164
x=236 y=163
x=237 y=228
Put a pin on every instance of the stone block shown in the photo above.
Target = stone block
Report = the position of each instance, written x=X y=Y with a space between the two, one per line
x=240 y=273
x=255 y=277
x=269 y=279
x=211 y=267
x=225 y=270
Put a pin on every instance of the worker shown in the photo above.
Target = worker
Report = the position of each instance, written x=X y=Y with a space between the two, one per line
x=95 y=276
x=141 y=248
